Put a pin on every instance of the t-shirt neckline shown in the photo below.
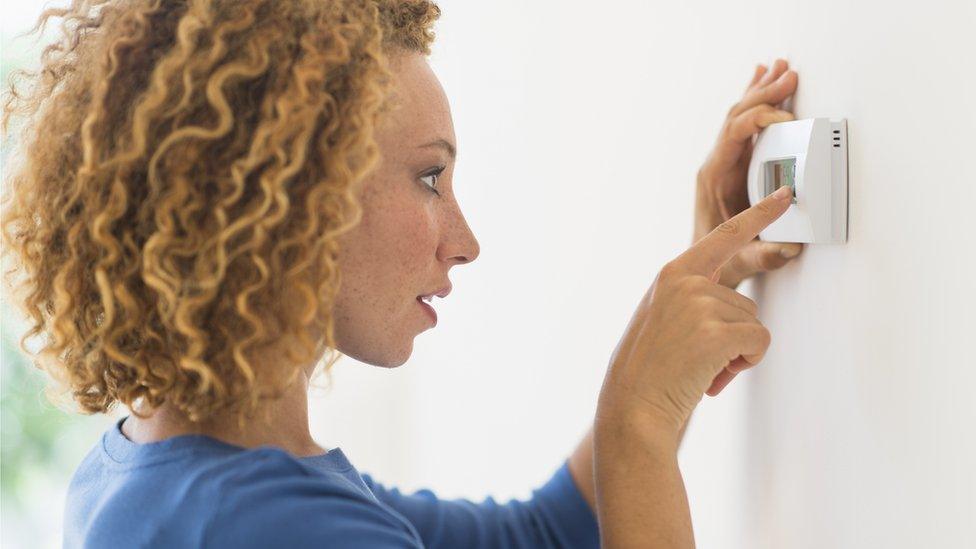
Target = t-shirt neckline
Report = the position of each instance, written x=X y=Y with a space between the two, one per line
x=119 y=449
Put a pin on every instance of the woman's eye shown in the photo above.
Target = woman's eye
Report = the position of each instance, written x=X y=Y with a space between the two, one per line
x=433 y=175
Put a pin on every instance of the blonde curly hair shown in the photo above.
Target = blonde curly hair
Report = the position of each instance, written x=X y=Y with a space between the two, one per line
x=185 y=168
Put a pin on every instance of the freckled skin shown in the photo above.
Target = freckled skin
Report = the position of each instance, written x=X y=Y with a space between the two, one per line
x=406 y=242
x=408 y=238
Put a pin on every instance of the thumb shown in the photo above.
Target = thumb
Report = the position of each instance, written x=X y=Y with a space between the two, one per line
x=760 y=256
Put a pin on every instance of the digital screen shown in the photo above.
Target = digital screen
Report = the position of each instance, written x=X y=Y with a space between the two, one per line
x=781 y=173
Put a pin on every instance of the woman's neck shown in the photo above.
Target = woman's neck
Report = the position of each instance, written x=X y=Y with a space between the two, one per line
x=287 y=427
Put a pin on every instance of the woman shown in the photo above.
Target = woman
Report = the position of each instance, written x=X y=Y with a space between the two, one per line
x=214 y=194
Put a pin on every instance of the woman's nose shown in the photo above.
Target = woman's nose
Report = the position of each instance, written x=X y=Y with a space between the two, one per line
x=459 y=243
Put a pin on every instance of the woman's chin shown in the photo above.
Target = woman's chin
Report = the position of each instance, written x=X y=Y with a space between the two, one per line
x=392 y=357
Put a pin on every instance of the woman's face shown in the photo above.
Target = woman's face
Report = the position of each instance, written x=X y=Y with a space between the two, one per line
x=409 y=237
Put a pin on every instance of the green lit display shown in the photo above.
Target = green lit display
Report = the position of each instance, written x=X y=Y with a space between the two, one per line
x=779 y=173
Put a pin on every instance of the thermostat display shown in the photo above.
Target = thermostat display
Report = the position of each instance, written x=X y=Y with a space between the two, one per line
x=810 y=156
x=780 y=173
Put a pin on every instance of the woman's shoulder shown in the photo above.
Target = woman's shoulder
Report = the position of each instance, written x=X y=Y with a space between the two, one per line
x=187 y=468
x=198 y=491
x=274 y=503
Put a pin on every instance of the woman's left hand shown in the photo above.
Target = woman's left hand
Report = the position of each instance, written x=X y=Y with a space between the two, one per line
x=722 y=191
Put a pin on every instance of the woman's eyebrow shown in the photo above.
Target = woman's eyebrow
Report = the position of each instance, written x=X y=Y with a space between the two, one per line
x=444 y=144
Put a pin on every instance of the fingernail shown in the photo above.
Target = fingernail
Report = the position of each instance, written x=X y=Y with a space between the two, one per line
x=789 y=252
x=782 y=193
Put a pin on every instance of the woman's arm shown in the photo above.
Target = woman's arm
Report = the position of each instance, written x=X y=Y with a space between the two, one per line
x=556 y=517
x=720 y=194
x=581 y=465
x=684 y=332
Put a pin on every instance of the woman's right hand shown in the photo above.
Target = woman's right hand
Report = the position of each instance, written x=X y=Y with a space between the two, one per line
x=687 y=329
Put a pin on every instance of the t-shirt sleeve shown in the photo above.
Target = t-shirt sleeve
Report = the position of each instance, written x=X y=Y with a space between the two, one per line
x=272 y=504
x=556 y=516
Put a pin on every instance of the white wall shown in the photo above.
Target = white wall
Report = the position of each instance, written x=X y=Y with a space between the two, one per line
x=581 y=127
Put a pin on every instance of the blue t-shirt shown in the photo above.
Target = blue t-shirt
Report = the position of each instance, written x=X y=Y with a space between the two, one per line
x=196 y=491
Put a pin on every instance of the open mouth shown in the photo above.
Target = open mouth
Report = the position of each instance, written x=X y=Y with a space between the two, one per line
x=426 y=306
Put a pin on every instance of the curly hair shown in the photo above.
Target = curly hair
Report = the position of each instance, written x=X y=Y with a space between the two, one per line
x=185 y=168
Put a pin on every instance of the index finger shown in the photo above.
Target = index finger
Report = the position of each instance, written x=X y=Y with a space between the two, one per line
x=716 y=248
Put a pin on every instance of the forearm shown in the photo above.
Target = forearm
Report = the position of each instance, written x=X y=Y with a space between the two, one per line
x=581 y=465
x=581 y=469
x=640 y=494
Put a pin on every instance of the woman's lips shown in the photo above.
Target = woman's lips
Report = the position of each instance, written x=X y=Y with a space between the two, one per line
x=430 y=310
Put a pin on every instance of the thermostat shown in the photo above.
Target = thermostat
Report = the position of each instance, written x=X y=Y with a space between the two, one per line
x=810 y=156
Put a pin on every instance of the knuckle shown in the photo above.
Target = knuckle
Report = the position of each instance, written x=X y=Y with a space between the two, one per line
x=704 y=303
x=765 y=337
x=730 y=227
x=695 y=283
x=699 y=281
x=712 y=331
x=669 y=271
